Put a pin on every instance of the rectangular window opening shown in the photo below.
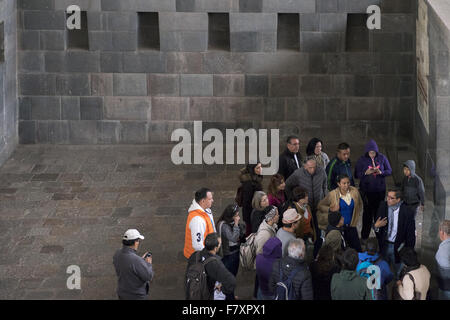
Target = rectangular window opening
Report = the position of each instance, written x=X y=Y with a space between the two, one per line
x=357 y=35
x=148 y=34
x=78 y=38
x=2 y=42
x=288 y=35
x=219 y=31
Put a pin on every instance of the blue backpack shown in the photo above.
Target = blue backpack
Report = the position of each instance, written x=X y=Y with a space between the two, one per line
x=361 y=269
x=285 y=289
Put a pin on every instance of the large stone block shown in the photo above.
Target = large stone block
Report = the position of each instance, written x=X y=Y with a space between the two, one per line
x=30 y=61
x=253 y=41
x=185 y=5
x=327 y=5
x=70 y=108
x=309 y=22
x=149 y=62
x=37 y=84
x=111 y=62
x=250 y=5
x=184 y=62
x=27 y=132
x=229 y=85
x=164 y=85
x=130 y=84
x=72 y=61
x=183 y=21
x=398 y=6
x=44 y=20
x=205 y=109
x=284 y=85
x=133 y=132
x=274 y=109
x=280 y=62
x=387 y=86
x=253 y=22
x=316 y=86
x=335 y=109
x=51 y=40
x=321 y=41
x=224 y=62
x=315 y=109
x=83 y=132
x=190 y=41
x=361 y=63
x=108 y=132
x=256 y=85
x=356 y=6
x=85 y=5
x=127 y=108
x=125 y=41
x=121 y=21
x=45 y=108
x=102 y=84
x=389 y=42
x=304 y=6
x=238 y=109
x=196 y=85
x=101 y=41
x=36 y=4
x=24 y=108
x=398 y=63
x=91 y=108
x=333 y=22
x=365 y=109
x=170 y=108
x=73 y=85
x=29 y=40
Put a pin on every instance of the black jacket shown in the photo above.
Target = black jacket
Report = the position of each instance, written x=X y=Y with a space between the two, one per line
x=302 y=281
x=257 y=217
x=250 y=183
x=406 y=228
x=322 y=281
x=287 y=164
x=216 y=271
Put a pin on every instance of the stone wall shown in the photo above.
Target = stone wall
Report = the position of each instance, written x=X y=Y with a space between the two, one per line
x=341 y=83
x=8 y=79
x=433 y=145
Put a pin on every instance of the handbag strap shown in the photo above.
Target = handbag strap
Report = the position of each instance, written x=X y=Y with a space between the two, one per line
x=414 y=283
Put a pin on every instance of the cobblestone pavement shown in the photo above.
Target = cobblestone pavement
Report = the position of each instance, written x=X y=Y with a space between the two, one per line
x=70 y=205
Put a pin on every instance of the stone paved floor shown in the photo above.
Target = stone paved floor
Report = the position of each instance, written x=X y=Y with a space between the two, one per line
x=69 y=205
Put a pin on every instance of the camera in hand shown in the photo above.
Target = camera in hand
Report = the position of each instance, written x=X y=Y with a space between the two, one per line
x=148 y=254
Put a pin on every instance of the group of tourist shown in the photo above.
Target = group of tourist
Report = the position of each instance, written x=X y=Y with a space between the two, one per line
x=303 y=232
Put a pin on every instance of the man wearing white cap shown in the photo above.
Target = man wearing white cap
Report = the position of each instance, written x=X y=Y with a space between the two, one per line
x=287 y=232
x=134 y=272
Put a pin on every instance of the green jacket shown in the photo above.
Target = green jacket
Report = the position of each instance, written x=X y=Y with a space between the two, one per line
x=348 y=285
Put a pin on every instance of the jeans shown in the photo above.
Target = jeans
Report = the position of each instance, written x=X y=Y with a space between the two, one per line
x=444 y=295
x=389 y=255
x=231 y=262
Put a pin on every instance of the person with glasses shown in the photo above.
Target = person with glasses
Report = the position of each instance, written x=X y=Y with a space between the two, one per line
x=395 y=228
x=231 y=232
x=291 y=159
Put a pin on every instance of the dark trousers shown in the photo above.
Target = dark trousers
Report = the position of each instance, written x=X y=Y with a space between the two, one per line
x=351 y=238
x=231 y=262
x=371 y=201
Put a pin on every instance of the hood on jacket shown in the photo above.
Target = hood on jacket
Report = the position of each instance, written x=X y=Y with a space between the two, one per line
x=347 y=275
x=364 y=256
x=411 y=166
x=312 y=145
x=371 y=146
x=272 y=248
x=195 y=206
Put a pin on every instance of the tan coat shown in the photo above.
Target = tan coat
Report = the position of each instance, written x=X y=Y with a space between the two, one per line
x=421 y=279
x=331 y=200
x=265 y=232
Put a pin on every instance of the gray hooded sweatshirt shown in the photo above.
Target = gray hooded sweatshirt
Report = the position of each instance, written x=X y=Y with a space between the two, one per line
x=412 y=187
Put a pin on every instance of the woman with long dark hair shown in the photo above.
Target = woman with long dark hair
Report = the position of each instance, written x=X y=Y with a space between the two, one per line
x=314 y=151
x=275 y=191
x=251 y=181
x=322 y=270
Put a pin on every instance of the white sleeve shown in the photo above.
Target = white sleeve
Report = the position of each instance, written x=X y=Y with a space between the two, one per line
x=198 y=228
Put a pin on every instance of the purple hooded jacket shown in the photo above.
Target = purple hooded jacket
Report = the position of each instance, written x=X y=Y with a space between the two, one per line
x=264 y=261
x=372 y=183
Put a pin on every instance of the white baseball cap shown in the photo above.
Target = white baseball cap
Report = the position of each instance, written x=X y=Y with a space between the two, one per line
x=132 y=234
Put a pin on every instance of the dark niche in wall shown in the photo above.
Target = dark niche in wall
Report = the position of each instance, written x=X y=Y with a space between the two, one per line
x=357 y=35
x=79 y=38
x=288 y=35
x=148 y=36
x=219 y=31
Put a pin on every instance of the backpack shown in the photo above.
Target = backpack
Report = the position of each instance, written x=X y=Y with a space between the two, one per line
x=196 y=282
x=239 y=196
x=247 y=252
x=361 y=269
x=285 y=289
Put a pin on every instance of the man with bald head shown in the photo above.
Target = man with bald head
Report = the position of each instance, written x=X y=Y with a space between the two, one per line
x=314 y=180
